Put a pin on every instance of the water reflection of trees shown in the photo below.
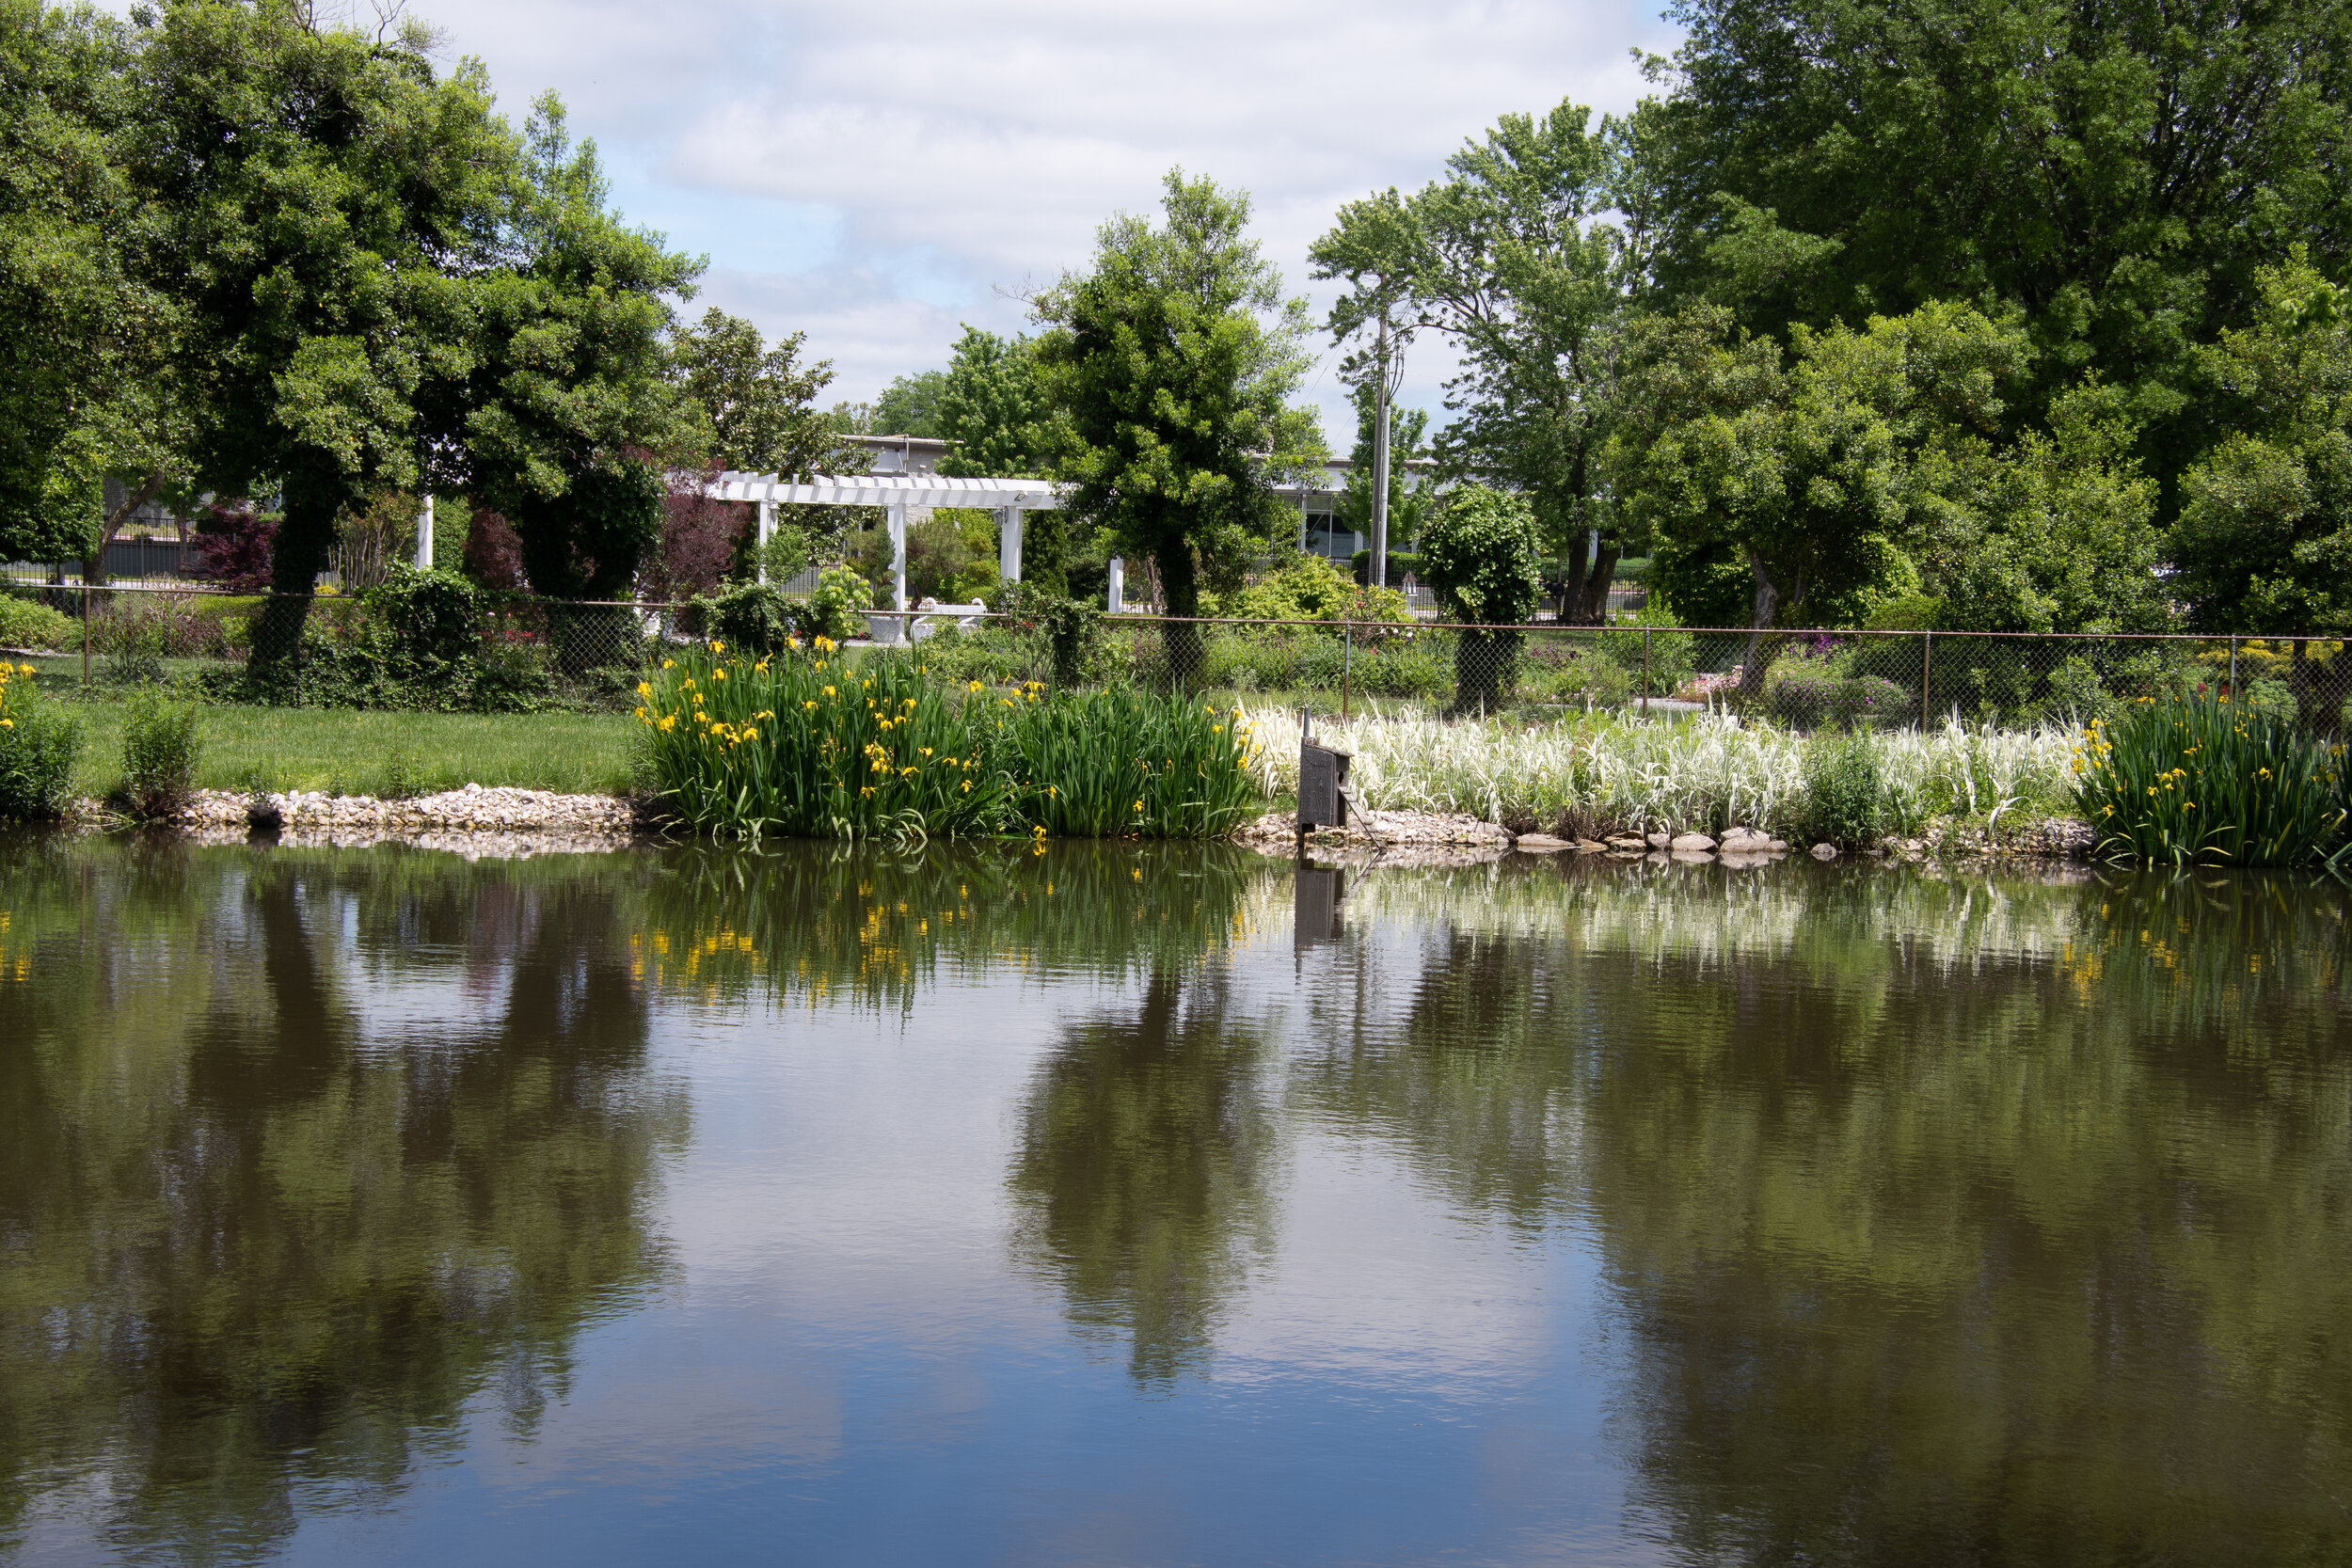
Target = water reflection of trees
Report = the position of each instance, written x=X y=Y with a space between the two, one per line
x=2029 y=1246
x=271 y=1214
x=875 y=927
x=1147 y=1150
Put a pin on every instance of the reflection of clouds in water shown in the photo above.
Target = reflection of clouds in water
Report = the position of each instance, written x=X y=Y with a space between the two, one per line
x=652 y=1414
x=1381 y=1282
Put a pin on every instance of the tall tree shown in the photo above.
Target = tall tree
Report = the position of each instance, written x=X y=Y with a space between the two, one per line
x=566 y=410
x=910 y=406
x=65 y=301
x=313 y=199
x=2117 y=172
x=993 y=409
x=2265 y=538
x=1170 y=364
x=1806 y=472
x=760 y=403
x=1509 y=259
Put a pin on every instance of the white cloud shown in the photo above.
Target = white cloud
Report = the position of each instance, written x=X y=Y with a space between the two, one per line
x=876 y=174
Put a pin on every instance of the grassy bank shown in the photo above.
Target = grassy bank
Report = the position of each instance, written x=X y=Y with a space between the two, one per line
x=348 y=752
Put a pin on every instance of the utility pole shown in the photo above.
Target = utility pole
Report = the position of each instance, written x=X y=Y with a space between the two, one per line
x=1380 y=463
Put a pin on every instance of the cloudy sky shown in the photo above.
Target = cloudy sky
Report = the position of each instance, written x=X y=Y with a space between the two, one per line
x=877 y=174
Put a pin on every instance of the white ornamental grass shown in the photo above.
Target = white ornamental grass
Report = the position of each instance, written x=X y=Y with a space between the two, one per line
x=1709 y=772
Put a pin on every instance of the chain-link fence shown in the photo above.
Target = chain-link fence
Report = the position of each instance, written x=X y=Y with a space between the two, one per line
x=515 y=651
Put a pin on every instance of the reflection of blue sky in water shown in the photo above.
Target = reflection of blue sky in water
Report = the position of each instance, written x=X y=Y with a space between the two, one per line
x=845 y=1363
x=1536 y=1191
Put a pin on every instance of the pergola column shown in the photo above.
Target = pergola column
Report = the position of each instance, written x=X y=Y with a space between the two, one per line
x=899 y=570
x=765 y=531
x=1009 y=543
x=424 y=536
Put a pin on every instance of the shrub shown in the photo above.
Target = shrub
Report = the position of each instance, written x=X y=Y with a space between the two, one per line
x=433 y=619
x=1482 y=561
x=233 y=541
x=1072 y=630
x=2210 y=780
x=38 y=748
x=1673 y=653
x=752 y=616
x=27 y=625
x=836 y=611
x=1310 y=588
x=1405 y=670
x=1125 y=764
x=160 y=750
x=1805 y=694
x=1844 y=793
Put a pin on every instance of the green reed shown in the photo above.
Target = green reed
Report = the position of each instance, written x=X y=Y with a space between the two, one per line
x=2209 y=779
x=806 y=744
x=1121 y=763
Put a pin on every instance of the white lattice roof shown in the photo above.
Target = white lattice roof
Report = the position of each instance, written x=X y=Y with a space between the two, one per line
x=1030 y=495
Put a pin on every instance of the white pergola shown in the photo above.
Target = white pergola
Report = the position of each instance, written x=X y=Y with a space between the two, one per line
x=1008 y=498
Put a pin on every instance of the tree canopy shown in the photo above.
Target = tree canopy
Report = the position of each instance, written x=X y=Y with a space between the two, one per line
x=1170 y=364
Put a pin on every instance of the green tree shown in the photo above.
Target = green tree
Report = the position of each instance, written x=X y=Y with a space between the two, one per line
x=2119 y=174
x=1485 y=557
x=1169 y=365
x=66 y=307
x=993 y=409
x=1808 y=472
x=566 y=404
x=319 y=292
x=1508 y=258
x=760 y=401
x=2265 y=538
x=910 y=406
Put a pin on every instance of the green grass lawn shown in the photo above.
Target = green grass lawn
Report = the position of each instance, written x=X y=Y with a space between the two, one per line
x=348 y=752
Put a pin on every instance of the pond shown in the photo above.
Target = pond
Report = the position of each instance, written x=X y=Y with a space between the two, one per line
x=1160 y=1205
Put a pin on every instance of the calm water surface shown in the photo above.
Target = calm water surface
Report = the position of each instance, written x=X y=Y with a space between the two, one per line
x=1132 y=1205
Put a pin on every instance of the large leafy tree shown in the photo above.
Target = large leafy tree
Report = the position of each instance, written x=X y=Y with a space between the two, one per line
x=1509 y=258
x=2118 y=173
x=2264 y=542
x=67 y=309
x=759 y=403
x=567 y=414
x=1170 y=364
x=991 y=407
x=314 y=200
x=1804 y=468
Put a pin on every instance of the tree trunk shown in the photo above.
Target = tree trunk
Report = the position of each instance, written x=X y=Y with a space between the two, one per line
x=94 y=569
x=1594 y=608
x=298 y=553
x=1767 y=608
x=1177 y=580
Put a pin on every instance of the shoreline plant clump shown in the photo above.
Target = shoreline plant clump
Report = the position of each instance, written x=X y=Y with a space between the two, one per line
x=807 y=743
x=39 y=746
x=2211 y=780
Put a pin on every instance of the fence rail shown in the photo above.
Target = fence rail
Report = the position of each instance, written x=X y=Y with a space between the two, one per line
x=525 y=649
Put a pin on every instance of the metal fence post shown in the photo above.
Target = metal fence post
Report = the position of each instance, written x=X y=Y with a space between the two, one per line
x=1347 y=670
x=1645 y=671
x=1927 y=670
x=2233 y=666
x=85 y=630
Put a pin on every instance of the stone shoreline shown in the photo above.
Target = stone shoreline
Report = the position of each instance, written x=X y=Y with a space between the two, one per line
x=476 y=821
x=1418 y=838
